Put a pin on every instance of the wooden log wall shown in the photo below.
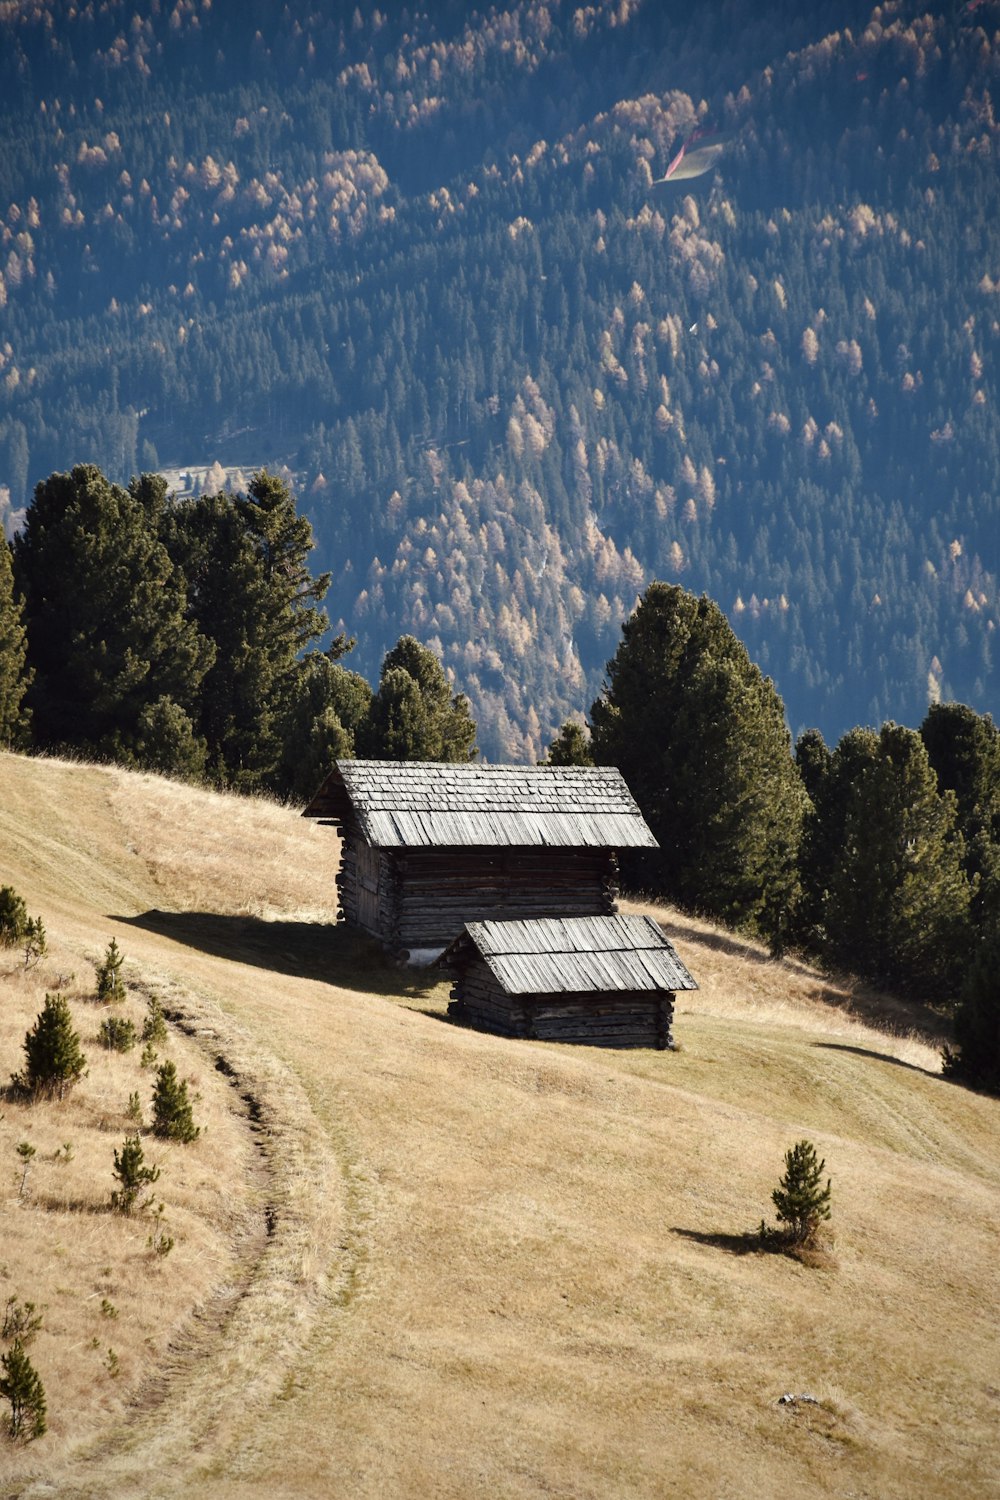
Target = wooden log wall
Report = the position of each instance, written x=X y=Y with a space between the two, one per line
x=422 y=898
x=602 y=1019
x=438 y=891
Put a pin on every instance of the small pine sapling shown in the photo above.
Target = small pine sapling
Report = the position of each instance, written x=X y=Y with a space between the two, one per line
x=26 y=1152
x=133 y=1109
x=172 y=1117
x=159 y=1241
x=801 y=1201
x=20 y=1321
x=52 y=1049
x=34 y=942
x=149 y=1056
x=118 y=1034
x=154 y=1028
x=21 y=1386
x=110 y=985
x=13 y=917
x=133 y=1177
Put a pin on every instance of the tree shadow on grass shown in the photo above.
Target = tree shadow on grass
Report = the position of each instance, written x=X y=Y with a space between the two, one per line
x=763 y=1241
x=885 y=1057
x=719 y=942
x=333 y=953
x=749 y=1243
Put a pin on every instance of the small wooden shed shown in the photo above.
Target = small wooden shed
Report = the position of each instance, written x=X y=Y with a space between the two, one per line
x=428 y=847
x=607 y=981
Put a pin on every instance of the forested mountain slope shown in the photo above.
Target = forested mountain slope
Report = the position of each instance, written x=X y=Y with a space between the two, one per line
x=422 y=259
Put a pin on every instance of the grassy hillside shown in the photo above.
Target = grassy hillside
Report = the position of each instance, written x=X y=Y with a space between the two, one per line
x=414 y=1260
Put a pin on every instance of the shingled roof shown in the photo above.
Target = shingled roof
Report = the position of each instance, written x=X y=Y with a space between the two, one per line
x=420 y=804
x=573 y=955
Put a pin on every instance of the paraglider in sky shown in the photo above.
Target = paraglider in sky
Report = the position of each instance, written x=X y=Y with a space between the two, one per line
x=698 y=155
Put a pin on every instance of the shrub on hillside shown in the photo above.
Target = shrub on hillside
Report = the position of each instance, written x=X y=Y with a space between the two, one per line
x=118 y=1034
x=172 y=1117
x=801 y=1201
x=20 y=1385
x=54 y=1061
x=133 y=1177
x=13 y=917
x=110 y=985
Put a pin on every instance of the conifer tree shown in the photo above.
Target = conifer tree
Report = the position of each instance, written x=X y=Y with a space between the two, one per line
x=52 y=1049
x=570 y=747
x=133 y=1176
x=327 y=706
x=414 y=715
x=13 y=917
x=14 y=675
x=105 y=613
x=110 y=985
x=964 y=750
x=172 y=1116
x=700 y=737
x=801 y=1200
x=21 y=1386
x=251 y=594
x=977 y=1022
x=897 y=905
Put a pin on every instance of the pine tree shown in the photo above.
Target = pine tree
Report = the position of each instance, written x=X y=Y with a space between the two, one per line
x=250 y=593
x=414 y=715
x=700 y=737
x=13 y=917
x=105 y=613
x=801 y=1201
x=110 y=985
x=117 y=1033
x=21 y=1386
x=571 y=747
x=172 y=1116
x=897 y=904
x=327 y=705
x=14 y=676
x=964 y=750
x=977 y=1022
x=52 y=1049
x=133 y=1176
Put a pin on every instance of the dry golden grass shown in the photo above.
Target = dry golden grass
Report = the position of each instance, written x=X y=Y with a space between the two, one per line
x=502 y=1268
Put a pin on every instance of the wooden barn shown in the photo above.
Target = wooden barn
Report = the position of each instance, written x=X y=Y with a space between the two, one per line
x=428 y=847
x=606 y=981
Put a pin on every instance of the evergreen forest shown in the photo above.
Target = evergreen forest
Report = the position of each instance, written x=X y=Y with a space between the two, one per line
x=422 y=265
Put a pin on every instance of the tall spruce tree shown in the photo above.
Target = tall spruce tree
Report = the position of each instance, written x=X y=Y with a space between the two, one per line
x=105 y=611
x=326 y=707
x=977 y=1021
x=828 y=777
x=964 y=749
x=14 y=675
x=251 y=594
x=897 y=900
x=699 y=735
x=414 y=715
x=570 y=747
